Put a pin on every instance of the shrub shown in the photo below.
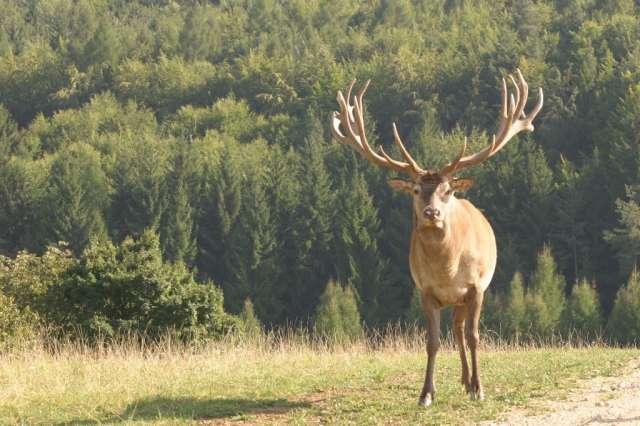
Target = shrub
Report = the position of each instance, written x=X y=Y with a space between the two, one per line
x=26 y=279
x=337 y=316
x=128 y=289
x=16 y=325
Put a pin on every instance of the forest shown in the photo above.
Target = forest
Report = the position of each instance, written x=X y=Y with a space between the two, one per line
x=169 y=164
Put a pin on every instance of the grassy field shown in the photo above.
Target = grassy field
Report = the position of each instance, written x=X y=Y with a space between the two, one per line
x=280 y=380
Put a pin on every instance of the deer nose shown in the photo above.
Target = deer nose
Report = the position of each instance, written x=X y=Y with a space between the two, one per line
x=431 y=212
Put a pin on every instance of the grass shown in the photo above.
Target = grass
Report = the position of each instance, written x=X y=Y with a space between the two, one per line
x=280 y=379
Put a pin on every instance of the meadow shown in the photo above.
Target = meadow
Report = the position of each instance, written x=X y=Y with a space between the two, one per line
x=284 y=378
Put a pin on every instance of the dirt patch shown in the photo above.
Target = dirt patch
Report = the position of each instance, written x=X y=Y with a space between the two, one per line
x=598 y=401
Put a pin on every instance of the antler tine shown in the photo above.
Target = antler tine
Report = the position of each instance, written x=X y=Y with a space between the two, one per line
x=513 y=120
x=403 y=150
x=451 y=167
x=351 y=116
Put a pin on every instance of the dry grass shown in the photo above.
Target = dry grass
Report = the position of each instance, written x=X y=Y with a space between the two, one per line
x=280 y=377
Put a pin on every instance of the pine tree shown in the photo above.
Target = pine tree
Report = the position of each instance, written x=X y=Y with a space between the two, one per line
x=138 y=179
x=283 y=196
x=8 y=134
x=515 y=309
x=220 y=202
x=251 y=250
x=624 y=320
x=358 y=258
x=250 y=324
x=337 y=316
x=582 y=314
x=178 y=243
x=312 y=230
x=76 y=196
x=545 y=299
x=21 y=184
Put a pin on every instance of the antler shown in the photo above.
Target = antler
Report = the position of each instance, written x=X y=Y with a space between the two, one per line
x=351 y=119
x=512 y=121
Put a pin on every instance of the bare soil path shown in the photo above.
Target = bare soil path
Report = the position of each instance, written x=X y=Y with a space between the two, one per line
x=598 y=401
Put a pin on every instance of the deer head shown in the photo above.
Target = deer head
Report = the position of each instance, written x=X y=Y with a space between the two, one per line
x=433 y=191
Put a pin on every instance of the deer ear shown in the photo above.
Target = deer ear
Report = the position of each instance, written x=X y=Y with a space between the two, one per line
x=461 y=185
x=400 y=185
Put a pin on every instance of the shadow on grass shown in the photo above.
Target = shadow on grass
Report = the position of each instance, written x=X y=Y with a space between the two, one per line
x=161 y=408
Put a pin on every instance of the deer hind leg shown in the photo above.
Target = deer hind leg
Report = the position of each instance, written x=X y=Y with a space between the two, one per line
x=474 y=305
x=459 y=316
x=432 y=312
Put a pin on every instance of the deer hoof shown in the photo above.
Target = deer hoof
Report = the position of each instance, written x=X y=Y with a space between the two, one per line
x=426 y=401
x=477 y=396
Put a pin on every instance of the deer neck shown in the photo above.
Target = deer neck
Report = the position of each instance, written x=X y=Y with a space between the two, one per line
x=439 y=243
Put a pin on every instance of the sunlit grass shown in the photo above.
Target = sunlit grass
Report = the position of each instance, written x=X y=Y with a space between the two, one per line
x=279 y=378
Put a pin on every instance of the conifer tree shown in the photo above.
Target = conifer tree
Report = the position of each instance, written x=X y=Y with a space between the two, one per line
x=545 y=299
x=138 y=179
x=582 y=313
x=359 y=262
x=624 y=320
x=176 y=235
x=249 y=323
x=76 y=195
x=515 y=308
x=337 y=316
x=250 y=253
x=312 y=228
x=220 y=201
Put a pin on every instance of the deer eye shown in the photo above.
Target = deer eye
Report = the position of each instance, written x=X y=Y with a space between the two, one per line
x=416 y=190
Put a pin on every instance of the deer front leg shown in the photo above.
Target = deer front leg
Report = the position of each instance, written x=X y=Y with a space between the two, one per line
x=432 y=312
x=474 y=305
x=459 y=316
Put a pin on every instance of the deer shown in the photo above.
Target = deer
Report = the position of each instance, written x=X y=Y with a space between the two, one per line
x=453 y=252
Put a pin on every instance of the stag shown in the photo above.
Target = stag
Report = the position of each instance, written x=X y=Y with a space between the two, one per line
x=452 y=254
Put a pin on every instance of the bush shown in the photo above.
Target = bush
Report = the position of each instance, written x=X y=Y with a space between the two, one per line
x=16 y=325
x=128 y=289
x=337 y=316
x=582 y=314
x=26 y=279
x=624 y=321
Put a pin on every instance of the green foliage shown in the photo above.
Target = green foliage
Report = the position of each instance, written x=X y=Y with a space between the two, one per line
x=624 y=320
x=337 y=316
x=625 y=239
x=76 y=195
x=27 y=277
x=515 y=309
x=24 y=284
x=122 y=289
x=582 y=314
x=16 y=326
x=207 y=122
x=177 y=229
x=248 y=322
x=359 y=262
x=545 y=300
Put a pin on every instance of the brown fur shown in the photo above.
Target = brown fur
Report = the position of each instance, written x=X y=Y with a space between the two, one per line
x=452 y=263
